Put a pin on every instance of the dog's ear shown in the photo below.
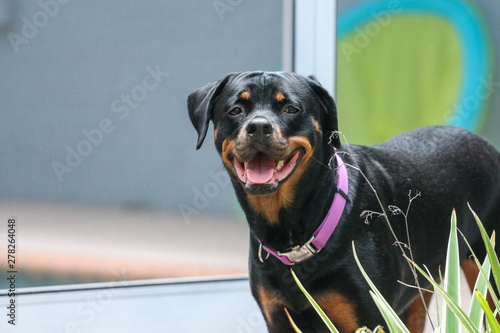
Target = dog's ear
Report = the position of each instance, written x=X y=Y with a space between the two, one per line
x=200 y=104
x=331 y=122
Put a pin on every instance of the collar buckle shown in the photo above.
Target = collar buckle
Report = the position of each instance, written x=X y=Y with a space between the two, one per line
x=300 y=253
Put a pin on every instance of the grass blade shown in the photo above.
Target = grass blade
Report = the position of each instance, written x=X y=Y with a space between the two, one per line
x=315 y=305
x=485 y=279
x=492 y=321
x=451 y=281
x=392 y=318
x=476 y=313
x=459 y=313
x=297 y=330
x=495 y=265
x=386 y=312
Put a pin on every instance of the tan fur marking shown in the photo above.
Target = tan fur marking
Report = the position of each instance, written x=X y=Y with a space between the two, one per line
x=316 y=126
x=227 y=148
x=215 y=135
x=340 y=310
x=245 y=95
x=269 y=206
x=270 y=302
x=280 y=97
x=417 y=314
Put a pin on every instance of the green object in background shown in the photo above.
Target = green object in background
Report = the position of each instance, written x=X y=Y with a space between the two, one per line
x=397 y=77
x=407 y=64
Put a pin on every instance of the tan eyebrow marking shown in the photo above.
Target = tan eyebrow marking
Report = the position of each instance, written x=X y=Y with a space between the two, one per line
x=280 y=97
x=316 y=126
x=245 y=95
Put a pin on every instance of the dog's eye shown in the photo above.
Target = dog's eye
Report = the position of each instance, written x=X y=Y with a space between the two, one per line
x=235 y=111
x=291 y=109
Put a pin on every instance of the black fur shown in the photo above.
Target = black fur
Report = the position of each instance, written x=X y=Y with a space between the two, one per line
x=449 y=166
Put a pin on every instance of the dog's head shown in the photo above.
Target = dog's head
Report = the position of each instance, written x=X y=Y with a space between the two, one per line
x=268 y=125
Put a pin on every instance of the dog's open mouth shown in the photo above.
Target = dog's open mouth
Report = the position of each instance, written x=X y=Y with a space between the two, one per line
x=262 y=169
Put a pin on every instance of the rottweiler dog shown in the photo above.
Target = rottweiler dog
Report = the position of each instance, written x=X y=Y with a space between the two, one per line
x=307 y=197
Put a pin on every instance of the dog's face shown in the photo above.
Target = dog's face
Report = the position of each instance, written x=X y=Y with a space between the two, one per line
x=267 y=126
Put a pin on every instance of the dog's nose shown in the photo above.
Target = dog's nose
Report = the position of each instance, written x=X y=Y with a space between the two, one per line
x=259 y=128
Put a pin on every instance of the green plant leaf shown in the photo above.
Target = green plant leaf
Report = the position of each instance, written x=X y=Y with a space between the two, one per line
x=485 y=274
x=492 y=321
x=476 y=313
x=392 y=319
x=459 y=313
x=297 y=330
x=386 y=312
x=495 y=265
x=315 y=305
x=438 y=316
x=451 y=281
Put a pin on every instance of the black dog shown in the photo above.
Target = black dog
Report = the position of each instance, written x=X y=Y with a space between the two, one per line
x=295 y=180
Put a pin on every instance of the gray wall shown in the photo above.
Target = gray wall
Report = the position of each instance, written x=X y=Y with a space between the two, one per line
x=72 y=66
x=69 y=66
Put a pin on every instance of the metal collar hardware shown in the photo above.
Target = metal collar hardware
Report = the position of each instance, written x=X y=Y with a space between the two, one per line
x=300 y=253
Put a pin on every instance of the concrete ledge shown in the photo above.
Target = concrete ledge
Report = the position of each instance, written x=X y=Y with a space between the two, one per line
x=102 y=244
x=207 y=305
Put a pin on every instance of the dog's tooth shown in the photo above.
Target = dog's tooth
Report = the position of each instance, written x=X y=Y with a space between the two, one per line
x=245 y=165
x=280 y=165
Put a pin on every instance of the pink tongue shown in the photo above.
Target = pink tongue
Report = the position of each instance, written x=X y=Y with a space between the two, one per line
x=260 y=169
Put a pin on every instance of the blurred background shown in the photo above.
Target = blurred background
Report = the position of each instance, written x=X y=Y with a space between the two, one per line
x=97 y=154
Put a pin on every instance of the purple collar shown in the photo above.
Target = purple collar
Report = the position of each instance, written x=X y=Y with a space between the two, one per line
x=318 y=241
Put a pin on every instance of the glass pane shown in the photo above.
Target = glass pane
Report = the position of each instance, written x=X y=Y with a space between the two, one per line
x=98 y=160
